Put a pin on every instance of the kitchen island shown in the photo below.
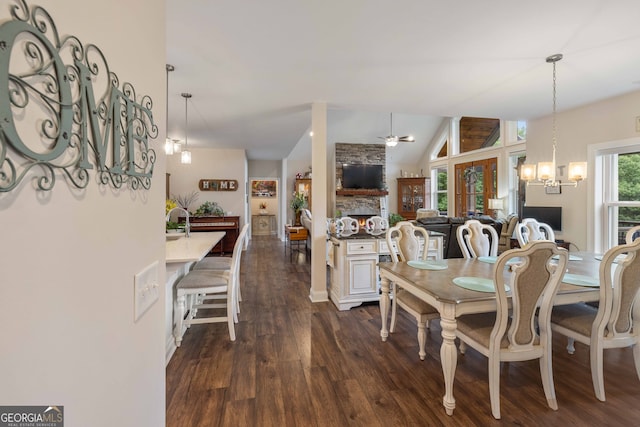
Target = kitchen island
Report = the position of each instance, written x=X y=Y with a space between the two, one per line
x=353 y=259
x=180 y=256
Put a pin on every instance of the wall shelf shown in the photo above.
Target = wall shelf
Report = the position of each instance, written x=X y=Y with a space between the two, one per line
x=361 y=192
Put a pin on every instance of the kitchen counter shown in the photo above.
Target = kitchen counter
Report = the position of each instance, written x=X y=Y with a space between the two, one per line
x=193 y=248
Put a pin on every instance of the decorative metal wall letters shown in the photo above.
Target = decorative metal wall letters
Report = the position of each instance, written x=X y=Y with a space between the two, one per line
x=62 y=109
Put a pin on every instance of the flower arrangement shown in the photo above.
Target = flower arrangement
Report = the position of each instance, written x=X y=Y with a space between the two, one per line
x=263 y=205
x=184 y=201
x=170 y=204
x=298 y=201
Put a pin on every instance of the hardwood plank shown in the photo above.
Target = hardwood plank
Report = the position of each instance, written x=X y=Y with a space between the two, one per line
x=299 y=363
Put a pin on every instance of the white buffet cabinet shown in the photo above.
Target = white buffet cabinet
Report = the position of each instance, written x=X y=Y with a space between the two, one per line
x=354 y=266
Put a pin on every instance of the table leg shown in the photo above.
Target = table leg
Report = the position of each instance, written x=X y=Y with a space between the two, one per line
x=384 y=307
x=448 y=355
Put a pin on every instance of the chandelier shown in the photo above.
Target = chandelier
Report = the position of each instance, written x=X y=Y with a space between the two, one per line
x=186 y=154
x=546 y=171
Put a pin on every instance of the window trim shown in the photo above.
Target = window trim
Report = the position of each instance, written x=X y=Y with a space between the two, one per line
x=434 y=185
x=596 y=196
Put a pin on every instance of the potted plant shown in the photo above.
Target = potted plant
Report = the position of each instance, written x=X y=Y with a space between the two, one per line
x=297 y=203
x=209 y=209
x=174 y=227
x=263 y=208
x=394 y=218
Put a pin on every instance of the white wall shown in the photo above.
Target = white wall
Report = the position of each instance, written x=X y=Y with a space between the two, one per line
x=609 y=120
x=298 y=161
x=265 y=168
x=209 y=163
x=68 y=258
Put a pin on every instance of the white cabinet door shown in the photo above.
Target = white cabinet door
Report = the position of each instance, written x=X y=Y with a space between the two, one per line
x=363 y=277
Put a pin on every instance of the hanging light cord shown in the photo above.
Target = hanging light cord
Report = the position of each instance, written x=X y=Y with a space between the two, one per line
x=186 y=118
x=169 y=69
x=553 y=125
x=553 y=59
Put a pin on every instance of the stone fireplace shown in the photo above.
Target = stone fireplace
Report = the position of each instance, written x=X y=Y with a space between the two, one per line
x=360 y=204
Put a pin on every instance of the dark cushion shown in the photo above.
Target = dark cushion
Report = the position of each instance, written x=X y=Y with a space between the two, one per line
x=433 y=220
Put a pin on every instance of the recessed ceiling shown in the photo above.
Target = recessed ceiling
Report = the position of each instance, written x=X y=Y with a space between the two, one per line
x=255 y=68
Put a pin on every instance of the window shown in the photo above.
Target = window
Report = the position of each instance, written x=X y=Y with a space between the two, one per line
x=516 y=131
x=441 y=200
x=441 y=148
x=621 y=176
x=521 y=130
x=477 y=133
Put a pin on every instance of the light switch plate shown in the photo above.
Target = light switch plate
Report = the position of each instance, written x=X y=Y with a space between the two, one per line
x=146 y=290
x=638 y=124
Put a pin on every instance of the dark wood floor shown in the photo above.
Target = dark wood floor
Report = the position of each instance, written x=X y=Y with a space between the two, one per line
x=296 y=363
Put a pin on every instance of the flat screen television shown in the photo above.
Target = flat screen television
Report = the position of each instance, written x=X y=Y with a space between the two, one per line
x=551 y=215
x=361 y=176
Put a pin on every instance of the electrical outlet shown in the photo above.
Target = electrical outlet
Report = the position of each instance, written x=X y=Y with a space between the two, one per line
x=146 y=290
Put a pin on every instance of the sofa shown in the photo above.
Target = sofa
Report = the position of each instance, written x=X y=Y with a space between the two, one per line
x=449 y=226
x=305 y=221
x=508 y=227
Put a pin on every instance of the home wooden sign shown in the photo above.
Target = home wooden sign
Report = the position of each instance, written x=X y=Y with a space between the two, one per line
x=218 y=185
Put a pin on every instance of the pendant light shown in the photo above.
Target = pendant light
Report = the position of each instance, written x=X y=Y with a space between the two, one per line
x=169 y=143
x=186 y=154
x=546 y=175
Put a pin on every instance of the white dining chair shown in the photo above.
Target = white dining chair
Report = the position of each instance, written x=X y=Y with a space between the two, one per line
x=404 y=242
x=632 y=234
x=530 y=229
x=511 y=333
x=349 y=225
x=198 y=285
x=477 y=239
x=376 y=225
x=615 y=322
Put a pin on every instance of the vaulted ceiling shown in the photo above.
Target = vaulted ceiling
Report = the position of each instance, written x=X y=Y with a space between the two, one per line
x=254 y=68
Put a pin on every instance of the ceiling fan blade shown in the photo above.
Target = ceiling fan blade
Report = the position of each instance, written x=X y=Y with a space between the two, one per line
x=407 y=138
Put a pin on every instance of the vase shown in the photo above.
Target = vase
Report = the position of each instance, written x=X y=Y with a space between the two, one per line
x=298 y=217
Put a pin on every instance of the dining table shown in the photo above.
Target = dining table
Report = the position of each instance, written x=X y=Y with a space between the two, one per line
x=433 y=282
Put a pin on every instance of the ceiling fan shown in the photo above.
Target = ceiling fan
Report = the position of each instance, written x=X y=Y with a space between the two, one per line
x=392 y=140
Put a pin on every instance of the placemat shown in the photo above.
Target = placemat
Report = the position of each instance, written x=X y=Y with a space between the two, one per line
x=479 y=284
x=580 y=280
x=571 y=257
x=427 y=265
x=619 y=258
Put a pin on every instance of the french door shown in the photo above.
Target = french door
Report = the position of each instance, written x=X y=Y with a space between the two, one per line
x=476 y=182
